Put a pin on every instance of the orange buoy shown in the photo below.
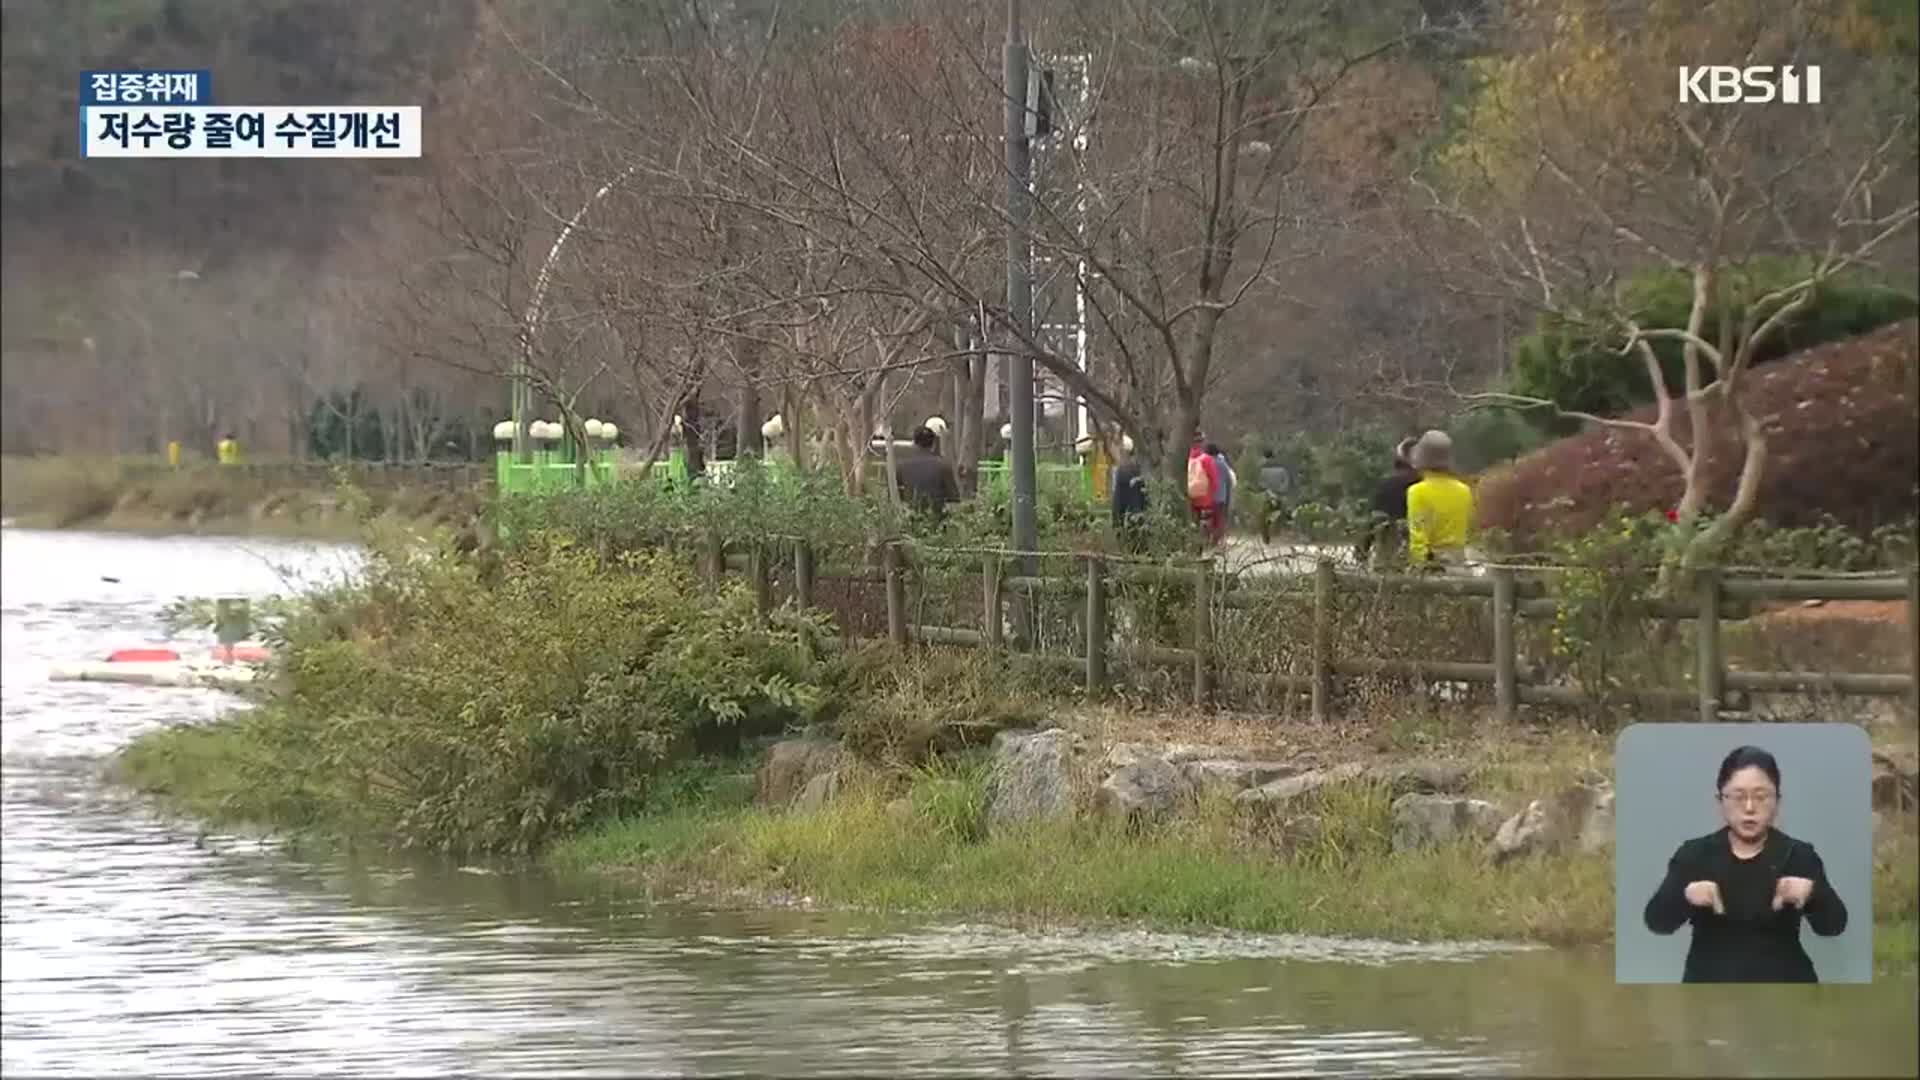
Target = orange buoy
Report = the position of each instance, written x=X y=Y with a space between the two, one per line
x=240 y=654
x=141 y=656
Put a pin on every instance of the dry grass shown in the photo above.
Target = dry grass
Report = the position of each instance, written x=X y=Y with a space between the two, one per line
x=129 y=494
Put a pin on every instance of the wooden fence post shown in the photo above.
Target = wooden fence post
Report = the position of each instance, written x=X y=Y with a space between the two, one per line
x=762 y=580
x=1913 y=643
x=1096 y=625
x=1203 y=632
x=803 y=574
x=991 y=624
x=1506 y=688
x=1710 y=672
x=896 y=595
x=1322 y=639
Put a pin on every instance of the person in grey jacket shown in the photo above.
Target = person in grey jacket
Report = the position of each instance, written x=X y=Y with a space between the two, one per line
x=1274 y=482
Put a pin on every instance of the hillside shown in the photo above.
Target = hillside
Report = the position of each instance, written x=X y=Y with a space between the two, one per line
x=1841 y=427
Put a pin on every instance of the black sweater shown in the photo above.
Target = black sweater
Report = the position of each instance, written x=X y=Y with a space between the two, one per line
x=1129 y=493
x=1751 y=942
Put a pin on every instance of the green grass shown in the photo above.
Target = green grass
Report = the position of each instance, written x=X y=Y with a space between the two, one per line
x=924 y=850
x=917 y=842
x=220 y=774
x=919 y=845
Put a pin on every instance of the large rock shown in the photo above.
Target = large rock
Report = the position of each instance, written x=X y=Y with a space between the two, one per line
x=819 y=792
x=1429 y=820
x=1233 y=777
x=1122 y=754
x=1181 y=753
x=1422 y=778
x=1277 y=795
x=791 y=765
x=1032 y=776
x=1895 y=785
x=1145 y=791
x=1577 y=819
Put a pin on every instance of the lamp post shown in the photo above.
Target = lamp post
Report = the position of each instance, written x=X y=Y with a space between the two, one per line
x=1020 y=295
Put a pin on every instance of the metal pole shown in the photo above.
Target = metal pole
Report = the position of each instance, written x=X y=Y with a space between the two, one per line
x=1020 y=293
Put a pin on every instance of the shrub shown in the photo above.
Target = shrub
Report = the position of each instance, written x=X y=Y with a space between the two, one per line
x=1839 y=421
x=941 y=700
x=439 y=709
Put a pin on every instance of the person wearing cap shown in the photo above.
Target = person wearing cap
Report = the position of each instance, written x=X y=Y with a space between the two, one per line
x=1389 y=509
x=1439 y=506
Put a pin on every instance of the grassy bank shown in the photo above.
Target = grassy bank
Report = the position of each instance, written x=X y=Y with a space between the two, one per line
x=600 y=711
x=917 y=842
x=134 y=496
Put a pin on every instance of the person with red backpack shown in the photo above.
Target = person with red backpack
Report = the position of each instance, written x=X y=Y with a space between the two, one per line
x=1203 y=490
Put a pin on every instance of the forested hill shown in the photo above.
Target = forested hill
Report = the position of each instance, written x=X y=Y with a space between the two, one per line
x=60 y=208
x=1296 y=215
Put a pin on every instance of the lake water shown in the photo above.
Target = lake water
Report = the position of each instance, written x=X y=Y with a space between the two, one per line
x=136 y=946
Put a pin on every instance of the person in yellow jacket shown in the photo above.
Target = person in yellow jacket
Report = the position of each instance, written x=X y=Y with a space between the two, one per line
x=227 y=450
x=1439 y=506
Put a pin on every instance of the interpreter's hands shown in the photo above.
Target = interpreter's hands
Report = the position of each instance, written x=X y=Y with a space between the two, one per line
x=1707 y=894
x=1791 y=890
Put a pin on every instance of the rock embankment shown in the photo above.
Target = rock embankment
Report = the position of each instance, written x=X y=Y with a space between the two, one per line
x=1052 y=774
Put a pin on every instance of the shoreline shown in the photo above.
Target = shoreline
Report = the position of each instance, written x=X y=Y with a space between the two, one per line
x=59 y=494
x=914 y=844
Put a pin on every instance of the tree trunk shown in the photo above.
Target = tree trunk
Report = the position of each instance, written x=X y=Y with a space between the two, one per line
x=790 y=418
x=692 y=423
x=747 y=441
x=974 y=443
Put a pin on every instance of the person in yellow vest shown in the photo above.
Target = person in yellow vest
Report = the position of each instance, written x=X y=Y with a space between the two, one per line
x=173 y=453
x=228 y=449
x=1439 y=506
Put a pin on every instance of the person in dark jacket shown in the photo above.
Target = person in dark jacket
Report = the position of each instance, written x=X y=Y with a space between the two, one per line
x=1129 y=499
x=1274 y=482
x=1388 y=517
x=1746 y=887
x=927 y=480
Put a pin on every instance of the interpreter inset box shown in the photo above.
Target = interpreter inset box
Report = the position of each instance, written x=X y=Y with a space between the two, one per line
x=1743 y=853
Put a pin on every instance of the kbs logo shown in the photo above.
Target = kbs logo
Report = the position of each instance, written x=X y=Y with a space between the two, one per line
x=1724 y=85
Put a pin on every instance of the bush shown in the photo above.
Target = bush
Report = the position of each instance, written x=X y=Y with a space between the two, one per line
x=1573 y=358
x=1839 y=422
x=435 y=707
x=899 y=713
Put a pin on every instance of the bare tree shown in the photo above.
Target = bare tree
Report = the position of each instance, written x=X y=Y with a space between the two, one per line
x=1580 y=164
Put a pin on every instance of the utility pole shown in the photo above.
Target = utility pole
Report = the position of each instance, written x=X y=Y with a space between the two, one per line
x=1020 y=292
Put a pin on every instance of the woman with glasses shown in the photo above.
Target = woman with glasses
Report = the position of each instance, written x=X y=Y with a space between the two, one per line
x=1747 y=886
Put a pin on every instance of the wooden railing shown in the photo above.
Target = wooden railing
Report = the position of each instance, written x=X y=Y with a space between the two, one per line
x=1514 y=593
